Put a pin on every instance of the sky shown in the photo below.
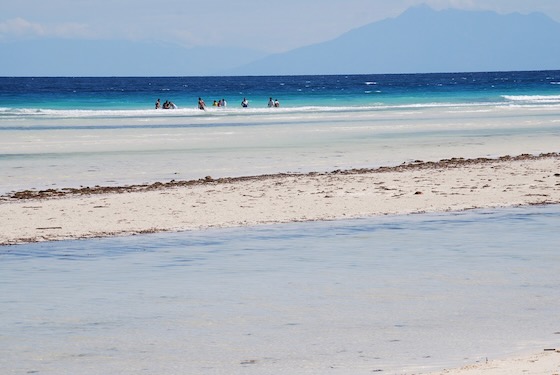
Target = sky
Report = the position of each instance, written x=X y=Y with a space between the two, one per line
x=271 y=27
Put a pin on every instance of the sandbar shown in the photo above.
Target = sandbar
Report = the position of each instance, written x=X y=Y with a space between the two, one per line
x=411 y=188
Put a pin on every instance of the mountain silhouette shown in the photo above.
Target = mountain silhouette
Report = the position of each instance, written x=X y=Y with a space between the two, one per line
x=420 y=40
x=425 y=40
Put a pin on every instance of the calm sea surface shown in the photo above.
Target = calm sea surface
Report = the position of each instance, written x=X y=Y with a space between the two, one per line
x=400 y=294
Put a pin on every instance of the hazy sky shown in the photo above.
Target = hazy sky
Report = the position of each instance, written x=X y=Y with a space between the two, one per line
x=273 y=26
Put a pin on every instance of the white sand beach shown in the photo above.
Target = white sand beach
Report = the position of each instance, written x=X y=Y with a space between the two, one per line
x=448 y=185
x=543 y=363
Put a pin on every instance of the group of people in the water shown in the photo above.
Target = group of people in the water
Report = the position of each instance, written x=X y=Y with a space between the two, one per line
x=166 y=105
x=273 y=103
x=217 y=103
x=244 y=103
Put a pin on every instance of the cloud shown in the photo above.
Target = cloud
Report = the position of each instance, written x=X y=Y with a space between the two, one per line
x=22 y=28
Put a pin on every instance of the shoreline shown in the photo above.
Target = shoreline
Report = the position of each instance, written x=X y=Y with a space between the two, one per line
x=545 y=362
x=455 y=184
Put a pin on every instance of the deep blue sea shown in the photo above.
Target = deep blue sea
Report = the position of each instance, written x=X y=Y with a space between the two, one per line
x=119 y=93
x=399 y=294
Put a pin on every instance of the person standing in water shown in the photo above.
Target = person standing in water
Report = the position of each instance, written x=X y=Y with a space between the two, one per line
x=158 y=104
x=201 y=104
x=245 y=103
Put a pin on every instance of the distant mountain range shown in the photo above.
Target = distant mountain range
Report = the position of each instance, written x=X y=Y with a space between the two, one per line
x=419 y=40
x=424 y=40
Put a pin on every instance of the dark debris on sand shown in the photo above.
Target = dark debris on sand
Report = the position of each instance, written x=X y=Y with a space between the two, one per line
x=415 y=165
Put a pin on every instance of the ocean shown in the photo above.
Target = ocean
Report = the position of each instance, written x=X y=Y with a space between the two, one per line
x=393 y=294
x=71 y=132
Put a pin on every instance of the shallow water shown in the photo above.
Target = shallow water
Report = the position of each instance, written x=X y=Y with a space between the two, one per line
x=401 y=294
x=117 y=151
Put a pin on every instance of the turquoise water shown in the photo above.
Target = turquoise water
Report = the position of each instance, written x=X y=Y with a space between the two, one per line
x=398 y=294
x=118 y=93
x=71 y=132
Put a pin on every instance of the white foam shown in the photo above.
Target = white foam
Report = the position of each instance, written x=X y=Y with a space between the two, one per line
x=211 y=111
x=534 y=99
